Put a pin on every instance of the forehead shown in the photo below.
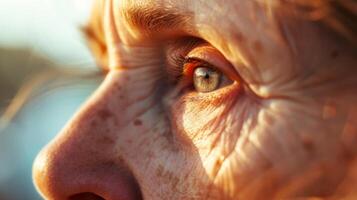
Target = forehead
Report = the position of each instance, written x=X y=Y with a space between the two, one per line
x=197 y=9
x=198 y=14
x=192 y=4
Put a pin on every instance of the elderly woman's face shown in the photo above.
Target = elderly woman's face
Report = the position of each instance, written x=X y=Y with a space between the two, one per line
x=208 y=100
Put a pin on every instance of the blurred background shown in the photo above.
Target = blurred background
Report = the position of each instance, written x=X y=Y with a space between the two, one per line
x=46 y=72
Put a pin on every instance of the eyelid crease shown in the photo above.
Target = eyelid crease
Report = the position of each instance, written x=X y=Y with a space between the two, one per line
x=184 y=45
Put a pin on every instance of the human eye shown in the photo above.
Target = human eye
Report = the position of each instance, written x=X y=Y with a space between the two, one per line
x=205 y=77
x=200 y=67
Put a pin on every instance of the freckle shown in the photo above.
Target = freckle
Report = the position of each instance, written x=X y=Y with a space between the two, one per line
x=239 y=37
x=334 y=54
x=138 y=122
x=258 y=46
x=106 y=140
x=104 y=114
x=308 y=143
x=117 y=86
x=174 y=182
x=93 y=124
x=159 y=170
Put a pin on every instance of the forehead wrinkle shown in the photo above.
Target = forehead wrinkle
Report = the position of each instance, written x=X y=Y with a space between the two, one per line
x=154 y=18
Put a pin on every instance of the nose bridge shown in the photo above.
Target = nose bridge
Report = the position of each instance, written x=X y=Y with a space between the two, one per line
x=81 y=157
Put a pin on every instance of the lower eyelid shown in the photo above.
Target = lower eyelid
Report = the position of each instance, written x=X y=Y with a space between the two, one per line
x=218 y=96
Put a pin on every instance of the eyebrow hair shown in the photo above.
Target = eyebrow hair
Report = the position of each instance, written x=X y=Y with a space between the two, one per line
x=154 y=18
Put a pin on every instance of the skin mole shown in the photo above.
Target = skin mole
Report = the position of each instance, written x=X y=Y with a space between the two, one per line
x=105 y=114
x=257 y=45
x=138 y=122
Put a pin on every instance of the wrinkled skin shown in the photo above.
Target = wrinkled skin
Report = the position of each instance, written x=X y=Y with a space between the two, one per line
x=284 y=129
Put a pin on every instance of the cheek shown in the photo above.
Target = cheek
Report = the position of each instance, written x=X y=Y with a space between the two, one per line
x=213 y=123
x=201 y=117
x=243 y=142
x=218 y=124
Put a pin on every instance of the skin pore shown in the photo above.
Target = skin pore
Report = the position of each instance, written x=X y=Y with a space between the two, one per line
x=209 y=100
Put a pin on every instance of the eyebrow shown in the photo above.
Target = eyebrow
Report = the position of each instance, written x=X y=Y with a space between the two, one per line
x=155 y=19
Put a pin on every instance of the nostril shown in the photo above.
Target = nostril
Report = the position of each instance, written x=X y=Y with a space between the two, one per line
x=85 y=196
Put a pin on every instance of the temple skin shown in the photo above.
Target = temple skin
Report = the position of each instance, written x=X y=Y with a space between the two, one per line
x=284 y=129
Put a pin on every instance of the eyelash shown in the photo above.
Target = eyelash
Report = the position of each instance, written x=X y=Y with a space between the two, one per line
x=175 y=69
x=178 y=72
x=176 y=61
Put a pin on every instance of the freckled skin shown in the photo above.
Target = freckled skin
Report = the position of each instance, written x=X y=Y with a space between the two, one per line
x=287 y=130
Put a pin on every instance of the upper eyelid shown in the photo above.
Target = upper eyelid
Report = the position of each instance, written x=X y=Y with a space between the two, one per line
x=183 y=45
x=176 y=51
x=201 y=63
x=219 y=62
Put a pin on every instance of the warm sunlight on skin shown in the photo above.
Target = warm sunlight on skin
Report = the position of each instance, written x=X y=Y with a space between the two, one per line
x=209 y=100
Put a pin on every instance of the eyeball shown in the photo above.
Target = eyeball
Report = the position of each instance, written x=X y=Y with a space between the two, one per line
x=206 y=79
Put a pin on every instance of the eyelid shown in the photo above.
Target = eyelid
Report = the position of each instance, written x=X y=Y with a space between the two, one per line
x=212 y=56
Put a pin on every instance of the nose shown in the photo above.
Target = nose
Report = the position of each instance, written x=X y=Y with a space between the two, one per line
x=66 y=175
x=82 y=163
